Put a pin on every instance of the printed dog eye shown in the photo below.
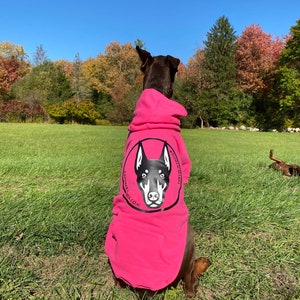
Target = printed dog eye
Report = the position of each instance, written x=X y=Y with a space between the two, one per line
x=161 y=174
x=144 y=175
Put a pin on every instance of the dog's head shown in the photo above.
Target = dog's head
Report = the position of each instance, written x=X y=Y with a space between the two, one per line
x=294 y=170
x=153 y=176
x=159 y=71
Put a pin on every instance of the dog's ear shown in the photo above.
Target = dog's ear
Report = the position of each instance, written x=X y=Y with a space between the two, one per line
x=145 y=57
x=174 y=63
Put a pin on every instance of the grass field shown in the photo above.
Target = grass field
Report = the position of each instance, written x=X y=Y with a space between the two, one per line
x=56 y=188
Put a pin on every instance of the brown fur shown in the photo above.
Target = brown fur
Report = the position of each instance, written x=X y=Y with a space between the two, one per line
x=286 y=169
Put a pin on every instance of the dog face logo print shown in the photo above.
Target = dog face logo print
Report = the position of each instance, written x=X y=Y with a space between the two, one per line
x=151 y=176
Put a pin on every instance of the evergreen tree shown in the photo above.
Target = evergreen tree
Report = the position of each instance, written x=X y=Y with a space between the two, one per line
x=139 y=43
x=287 y=86
x=219 y=62
x=290 y=55
x=224 y=104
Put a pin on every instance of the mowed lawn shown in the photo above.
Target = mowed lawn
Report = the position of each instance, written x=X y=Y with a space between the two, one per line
x=56 y=188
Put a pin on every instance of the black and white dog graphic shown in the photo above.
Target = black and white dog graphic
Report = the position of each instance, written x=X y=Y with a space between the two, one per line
x=153 y=176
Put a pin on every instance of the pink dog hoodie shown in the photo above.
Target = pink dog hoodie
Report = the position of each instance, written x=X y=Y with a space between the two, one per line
x=146 y=238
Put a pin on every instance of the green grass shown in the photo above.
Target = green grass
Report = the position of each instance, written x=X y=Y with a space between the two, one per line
x=56 y=188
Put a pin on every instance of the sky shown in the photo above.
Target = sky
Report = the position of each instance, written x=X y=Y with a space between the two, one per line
x=65 y=28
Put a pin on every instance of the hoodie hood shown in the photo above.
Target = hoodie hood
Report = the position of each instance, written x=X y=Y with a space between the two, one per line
x=155 y=111
x=147 y=236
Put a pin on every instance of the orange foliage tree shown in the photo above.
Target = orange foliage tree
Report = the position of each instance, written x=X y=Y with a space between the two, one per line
x=115 y=77
x=256 y=56
x=12 y=66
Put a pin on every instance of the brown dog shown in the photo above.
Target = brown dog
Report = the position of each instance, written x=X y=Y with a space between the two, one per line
x=150 y=242
x=286 y=169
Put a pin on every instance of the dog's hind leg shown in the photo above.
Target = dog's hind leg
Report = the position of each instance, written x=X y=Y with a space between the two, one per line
x=187 y=274
x=190 y=284
x=192 y=268
x=190 y=280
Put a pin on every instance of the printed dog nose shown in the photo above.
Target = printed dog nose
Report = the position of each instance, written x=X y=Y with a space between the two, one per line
x=153 y=196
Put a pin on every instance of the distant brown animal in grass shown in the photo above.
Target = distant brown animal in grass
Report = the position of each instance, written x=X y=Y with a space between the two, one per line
x=286 y=169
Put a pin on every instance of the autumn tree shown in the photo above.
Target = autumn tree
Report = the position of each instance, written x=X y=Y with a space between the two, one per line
x=188 y=89
x=8 y=50
x=195 y=71
x=256 y=56
x=125 y=63
x=115 y=78
x=10 y=71
x=13 y=66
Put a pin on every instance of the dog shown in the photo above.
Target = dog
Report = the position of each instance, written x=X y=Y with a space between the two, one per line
x=286 y=169
x=150 y=242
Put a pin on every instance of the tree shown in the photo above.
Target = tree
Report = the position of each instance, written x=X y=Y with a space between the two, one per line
x=45 y=84
x=65 y=65
x=287 y=86
x=10 y=71
x=195 y=71
x=223 y=103
x=256 y=55
x=219 y=62
x=114 y=76
x=12 y=66
x=8 y=50
x=139 y=43
x=288 y=92
x=188 y=89
x=79 y=84
x=39 y=56
x=290 y=55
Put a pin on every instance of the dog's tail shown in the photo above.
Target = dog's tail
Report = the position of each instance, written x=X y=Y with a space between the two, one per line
x=273 y=158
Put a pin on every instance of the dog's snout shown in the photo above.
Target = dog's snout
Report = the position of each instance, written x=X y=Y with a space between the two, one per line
x=153 y=196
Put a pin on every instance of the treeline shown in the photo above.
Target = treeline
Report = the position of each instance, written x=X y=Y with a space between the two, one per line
x=252 y=80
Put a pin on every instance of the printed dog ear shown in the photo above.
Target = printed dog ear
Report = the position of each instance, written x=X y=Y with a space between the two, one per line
x=165 y=157
x=139 y=157
x=145 y=57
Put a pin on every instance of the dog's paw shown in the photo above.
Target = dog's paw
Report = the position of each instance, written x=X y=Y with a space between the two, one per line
x=201 y=265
